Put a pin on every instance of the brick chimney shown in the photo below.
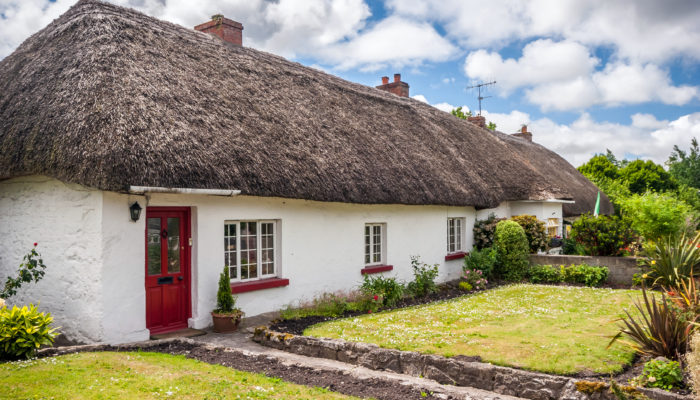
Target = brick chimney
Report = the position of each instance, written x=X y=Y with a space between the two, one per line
x=228 y=30
x=478 y=120
x=524 y=134
x=396 y=87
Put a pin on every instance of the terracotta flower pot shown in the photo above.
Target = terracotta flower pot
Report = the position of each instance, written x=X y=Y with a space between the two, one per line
x=226 y=322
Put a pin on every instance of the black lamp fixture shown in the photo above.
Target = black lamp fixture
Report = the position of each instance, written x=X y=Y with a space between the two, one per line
x=135 y=211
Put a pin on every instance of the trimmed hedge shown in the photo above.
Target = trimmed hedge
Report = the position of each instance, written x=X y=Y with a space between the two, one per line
x=588 y=275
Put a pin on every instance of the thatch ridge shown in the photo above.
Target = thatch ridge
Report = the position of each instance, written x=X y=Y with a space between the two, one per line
x=108 y=97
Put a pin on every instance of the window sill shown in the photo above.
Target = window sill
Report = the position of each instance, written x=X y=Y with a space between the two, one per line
x=375 y=269
x=455 y=256
x=251 y=286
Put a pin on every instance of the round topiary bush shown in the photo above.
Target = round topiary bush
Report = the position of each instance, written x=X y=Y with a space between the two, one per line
x=512 y=249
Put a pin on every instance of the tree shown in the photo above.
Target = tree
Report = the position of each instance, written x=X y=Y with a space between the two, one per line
x=491 y=126
x=642 y=176
x=457 y=112
x=601 y=166
x=685 y=167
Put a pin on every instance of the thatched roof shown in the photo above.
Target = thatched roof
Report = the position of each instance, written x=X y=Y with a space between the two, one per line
x=108 y=97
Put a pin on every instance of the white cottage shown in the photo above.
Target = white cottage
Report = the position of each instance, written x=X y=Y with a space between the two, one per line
x=298 y=181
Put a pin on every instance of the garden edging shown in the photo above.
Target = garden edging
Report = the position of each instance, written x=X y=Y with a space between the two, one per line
x=502 y=380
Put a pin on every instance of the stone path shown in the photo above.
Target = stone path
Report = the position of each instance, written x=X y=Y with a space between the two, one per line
x=241 y=341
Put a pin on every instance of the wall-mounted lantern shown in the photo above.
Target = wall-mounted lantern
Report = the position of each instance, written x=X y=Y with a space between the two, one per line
x=135 y=211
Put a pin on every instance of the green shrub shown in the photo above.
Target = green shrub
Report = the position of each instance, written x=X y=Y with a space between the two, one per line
x=466 y=286
x=585 y=274
x=545 y=274
x=512 y=250
x=225 y=302
x=389 y=289
x=23 y=331
x=424 y=276
x=582 y=274
x=671 y=258
x=656 y=215
x=570 y=247
x=31 y=269
x=483 y=260
x=660 y=373
x=603 y=235
x=535 y=231
x=484 y=231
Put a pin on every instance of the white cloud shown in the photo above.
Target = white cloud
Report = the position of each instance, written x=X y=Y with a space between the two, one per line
x=639 y=30
x=443 y=106
x=646 y=137
x=562 y=76
x=542 y=61
x=421 y=98
x=24 y=17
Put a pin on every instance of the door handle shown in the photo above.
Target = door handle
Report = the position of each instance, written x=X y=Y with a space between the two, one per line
x=179 y=278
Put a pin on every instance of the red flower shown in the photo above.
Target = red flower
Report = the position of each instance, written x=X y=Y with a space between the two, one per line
x=35 y=243
x=376 y=297
x=369 y=311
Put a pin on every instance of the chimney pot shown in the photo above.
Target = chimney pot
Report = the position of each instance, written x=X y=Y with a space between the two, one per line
x=397 y=77
x=523 y=129
x=226 y=29
x=396 y=87
x=478 y=120
x=385 y=80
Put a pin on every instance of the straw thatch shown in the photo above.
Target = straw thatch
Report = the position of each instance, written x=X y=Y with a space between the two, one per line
x=107 y=97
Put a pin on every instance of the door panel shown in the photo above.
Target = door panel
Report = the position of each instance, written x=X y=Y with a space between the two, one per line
x=167 y=268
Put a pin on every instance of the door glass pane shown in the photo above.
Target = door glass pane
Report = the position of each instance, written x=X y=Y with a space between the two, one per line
x=173 y=245
x=153 y=238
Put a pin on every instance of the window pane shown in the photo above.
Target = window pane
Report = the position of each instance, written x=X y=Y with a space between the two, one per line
x=173 y=245
x=153 y=246
x=230 y=254
x=249 y=250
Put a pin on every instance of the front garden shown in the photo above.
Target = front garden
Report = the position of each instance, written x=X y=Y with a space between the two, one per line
x=562 y=330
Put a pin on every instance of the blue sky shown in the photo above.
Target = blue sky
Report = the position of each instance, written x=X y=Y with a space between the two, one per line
x=583 y=75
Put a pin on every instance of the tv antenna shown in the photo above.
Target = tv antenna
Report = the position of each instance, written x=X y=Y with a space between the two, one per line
x=478 y=87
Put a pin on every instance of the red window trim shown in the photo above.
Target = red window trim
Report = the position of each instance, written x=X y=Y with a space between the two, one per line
x=375 y=269
x=455 y=256
x=269 y=283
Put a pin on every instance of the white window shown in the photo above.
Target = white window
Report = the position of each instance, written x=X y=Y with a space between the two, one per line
x=455 y=235
x=249 y=249
x=375 y=244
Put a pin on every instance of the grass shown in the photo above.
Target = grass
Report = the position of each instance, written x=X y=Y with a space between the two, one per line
x=555 y=329
x=143 y=376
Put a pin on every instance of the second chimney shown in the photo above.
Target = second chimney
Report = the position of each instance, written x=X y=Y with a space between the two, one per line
x=396 y=87
x=228 y=30
x=478 y=120
x=523 y=134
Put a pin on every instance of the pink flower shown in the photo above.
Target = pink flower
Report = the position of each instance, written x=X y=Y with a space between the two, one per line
x=466 y=272
x=479 y=271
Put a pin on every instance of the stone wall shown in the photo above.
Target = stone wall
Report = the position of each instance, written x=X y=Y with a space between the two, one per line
x=621 y=269
x=451 y=371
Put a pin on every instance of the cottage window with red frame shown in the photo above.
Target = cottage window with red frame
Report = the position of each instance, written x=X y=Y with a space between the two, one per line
x=250 y=249
x=455 y=235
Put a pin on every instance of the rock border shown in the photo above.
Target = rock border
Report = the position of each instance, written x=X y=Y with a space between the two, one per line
x=451 y=371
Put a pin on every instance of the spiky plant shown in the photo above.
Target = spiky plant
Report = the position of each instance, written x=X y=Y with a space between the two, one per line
x=673 y=257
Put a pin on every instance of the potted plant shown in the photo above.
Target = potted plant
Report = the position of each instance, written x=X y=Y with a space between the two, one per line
x=226 y=316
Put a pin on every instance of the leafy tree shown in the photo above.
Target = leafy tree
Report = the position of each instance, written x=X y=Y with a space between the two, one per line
x=642 y=176
x=601 y=166
x=491 y=126
x=457 y=112
x=655 y=215
x=603 y=235
x=685 y=167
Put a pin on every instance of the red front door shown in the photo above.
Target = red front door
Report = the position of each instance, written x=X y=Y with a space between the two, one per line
x=167 y=268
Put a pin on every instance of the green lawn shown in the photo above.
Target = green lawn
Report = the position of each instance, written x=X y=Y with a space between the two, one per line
x=557 y=329
x=141 y=376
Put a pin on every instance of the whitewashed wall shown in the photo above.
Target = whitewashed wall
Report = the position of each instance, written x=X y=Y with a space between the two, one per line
x=321 y=244
x=95 y=254
x=66 y=222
